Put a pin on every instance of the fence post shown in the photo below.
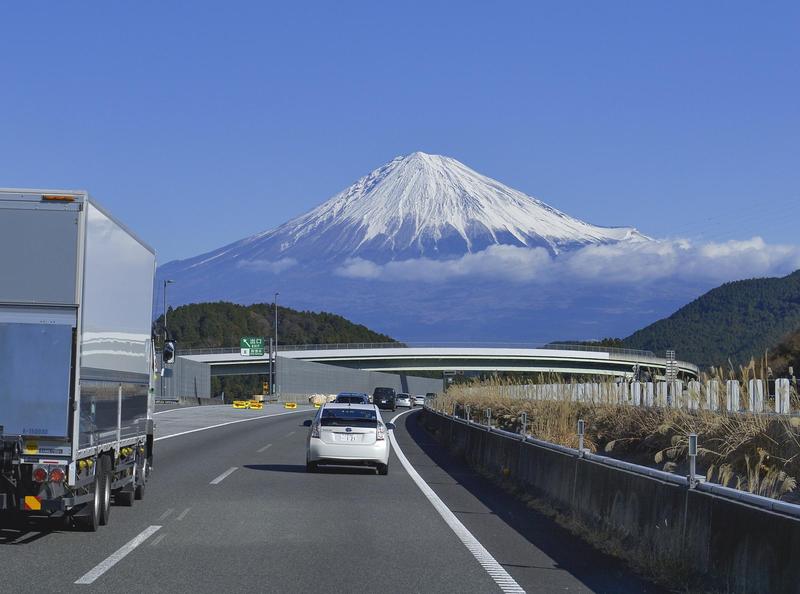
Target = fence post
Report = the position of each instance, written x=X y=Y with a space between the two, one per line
x=524 y=425
x=636 y=392
x=712 y=395
x=692 y=460
x=755 y=393
x=466 y=413
x=694 y=395
x=489 y=418
x=581 y=431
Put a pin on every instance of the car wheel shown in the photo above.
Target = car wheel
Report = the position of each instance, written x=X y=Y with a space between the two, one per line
x=311 y=467
x=383 y=469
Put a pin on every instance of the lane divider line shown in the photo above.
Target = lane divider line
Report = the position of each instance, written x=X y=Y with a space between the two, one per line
x=290 y=434
x=224 y=475
x=291 y=412
x=165 y=514
x=183 y=514
x=158 y=539
x=102 y=567
x=497 y=572
x=206 y=407
x=264 y=449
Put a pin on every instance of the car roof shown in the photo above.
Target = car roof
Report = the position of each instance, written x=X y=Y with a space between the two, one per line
x=340 y=405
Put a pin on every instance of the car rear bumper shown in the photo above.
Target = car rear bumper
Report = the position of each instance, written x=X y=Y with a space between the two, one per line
x=319 y=451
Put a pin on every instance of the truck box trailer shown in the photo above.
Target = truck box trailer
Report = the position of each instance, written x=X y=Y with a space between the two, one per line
x=76 y=357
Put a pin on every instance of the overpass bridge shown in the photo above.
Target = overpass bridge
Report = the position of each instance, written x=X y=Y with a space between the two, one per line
x=402 y=357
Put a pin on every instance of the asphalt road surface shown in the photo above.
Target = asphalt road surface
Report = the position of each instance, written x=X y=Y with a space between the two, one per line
x=230 y=508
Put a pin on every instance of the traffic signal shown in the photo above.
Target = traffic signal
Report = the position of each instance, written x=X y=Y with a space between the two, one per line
x=169 y=353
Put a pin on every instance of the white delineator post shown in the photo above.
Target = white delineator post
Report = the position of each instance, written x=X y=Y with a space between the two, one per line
x=732 y=395
x=782 y=392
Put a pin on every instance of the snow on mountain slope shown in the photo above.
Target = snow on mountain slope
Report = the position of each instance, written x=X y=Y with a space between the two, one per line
x=418 y=205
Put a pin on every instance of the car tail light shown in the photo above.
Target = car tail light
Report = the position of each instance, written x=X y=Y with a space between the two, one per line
x=56 y=475
x=315 y=430
x=381 y=435
x=39 y=474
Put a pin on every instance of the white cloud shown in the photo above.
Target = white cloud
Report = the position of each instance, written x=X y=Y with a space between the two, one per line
x=275 y=267
x=621 y=263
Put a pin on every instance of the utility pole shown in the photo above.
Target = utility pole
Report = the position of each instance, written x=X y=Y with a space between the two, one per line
x=275 y=363
x=166 y=282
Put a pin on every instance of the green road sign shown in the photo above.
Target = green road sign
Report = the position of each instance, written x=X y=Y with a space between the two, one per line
x=251 y=346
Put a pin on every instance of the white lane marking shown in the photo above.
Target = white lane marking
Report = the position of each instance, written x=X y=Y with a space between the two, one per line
x=496 y=571
x=291 y=412
x=264 y=449
x=90 y=576
x=224 y=475
x=158 y=539
x=290 y=434
x=161 y=412
x=165 y=514
x=183 y=514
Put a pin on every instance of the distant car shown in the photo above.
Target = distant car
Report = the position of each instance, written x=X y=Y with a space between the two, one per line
x=351 y=398
x=384 y=398
x=430 y=395
x=419 y=400
x=348 y=435
x=403 y=399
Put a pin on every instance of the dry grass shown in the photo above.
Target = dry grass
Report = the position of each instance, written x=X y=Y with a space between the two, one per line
x=756 y=453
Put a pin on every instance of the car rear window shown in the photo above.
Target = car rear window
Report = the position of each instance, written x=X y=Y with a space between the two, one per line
x=348 y=417
x=351 y=399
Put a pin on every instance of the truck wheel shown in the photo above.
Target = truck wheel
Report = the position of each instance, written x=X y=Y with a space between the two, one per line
x=124 y=496
x=105 y=489
x=89 y=518
x=139 y=479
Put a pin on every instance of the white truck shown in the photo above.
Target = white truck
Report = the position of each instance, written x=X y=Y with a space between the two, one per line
x=76 y=358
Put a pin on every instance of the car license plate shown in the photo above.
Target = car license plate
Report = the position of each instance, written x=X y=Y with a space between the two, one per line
x=347 y=437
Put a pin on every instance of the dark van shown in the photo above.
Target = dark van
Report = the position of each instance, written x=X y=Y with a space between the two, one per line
x=384 y=398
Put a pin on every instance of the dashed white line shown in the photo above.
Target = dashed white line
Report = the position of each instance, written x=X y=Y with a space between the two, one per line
x=224 y=475
x=90 y=576
x=158 y=539
x=163 y=516
x=264 y=449
x=183 y=514
x=290 y=434
x=496 y=571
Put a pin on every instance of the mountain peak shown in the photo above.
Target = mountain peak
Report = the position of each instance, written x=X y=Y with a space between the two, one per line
x=422 y=205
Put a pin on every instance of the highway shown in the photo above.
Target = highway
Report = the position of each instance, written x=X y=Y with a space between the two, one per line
x=230 y=508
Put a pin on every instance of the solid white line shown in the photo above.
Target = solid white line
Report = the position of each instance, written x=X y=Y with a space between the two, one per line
x=228 y=423
x=161 y=412
x=116 y=557
x=224 y=475
x=496 y=571
x=264 y=449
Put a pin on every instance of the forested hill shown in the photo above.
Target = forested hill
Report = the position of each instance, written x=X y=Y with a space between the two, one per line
x=222 y=324
x=735 y=321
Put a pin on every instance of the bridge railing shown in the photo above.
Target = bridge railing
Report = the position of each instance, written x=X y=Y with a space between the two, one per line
x=614 y=352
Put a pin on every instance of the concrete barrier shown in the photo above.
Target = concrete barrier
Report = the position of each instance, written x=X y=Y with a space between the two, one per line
x=708 y=537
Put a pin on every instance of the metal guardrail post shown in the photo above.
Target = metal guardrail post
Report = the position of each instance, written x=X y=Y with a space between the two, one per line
x=581 y=432
x=524 y=425
x=692 y=460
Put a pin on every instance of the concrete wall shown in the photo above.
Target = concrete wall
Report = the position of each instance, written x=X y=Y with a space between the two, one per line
x=297 y=380
x=653 y=519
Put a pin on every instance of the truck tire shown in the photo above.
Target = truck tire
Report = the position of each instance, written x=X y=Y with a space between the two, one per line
x=89 y=518
x=104 y=467
x=125 y=495
x=139 y=479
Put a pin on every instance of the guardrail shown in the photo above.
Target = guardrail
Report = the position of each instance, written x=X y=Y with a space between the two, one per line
x=700 y=536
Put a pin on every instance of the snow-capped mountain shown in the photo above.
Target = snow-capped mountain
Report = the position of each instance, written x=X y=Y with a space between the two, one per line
x=411 y=212
x=415 y=206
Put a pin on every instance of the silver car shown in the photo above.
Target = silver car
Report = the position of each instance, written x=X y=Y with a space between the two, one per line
x=419 y=400
x=403 y=399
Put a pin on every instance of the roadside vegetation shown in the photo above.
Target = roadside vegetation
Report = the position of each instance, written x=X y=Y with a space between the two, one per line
x=755 y=453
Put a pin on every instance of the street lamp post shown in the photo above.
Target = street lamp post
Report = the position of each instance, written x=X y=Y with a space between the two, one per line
x=275 y=363
x=166 y=282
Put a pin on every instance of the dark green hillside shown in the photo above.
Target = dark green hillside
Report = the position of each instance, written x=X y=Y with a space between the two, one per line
x=222 y=324
x=735 y=321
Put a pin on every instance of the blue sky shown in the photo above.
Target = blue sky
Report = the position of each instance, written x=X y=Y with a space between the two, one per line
x=201 y=123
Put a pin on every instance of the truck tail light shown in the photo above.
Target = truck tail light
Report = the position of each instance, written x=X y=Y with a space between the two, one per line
x=39 y=474
x=315 y=430
x=381 y=435
x=56 y=475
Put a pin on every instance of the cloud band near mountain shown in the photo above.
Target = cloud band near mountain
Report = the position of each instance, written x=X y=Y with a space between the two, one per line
x=620 y=263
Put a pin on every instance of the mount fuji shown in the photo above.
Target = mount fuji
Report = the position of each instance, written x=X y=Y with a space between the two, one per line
x=418 y=208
